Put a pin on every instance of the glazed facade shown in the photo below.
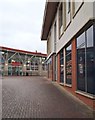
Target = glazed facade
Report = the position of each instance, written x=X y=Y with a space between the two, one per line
x=71 y=55
x=15 y=62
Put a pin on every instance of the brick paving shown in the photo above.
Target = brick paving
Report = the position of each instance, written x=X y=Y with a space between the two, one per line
x=37 y=97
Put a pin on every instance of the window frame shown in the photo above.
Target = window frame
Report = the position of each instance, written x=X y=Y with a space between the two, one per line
x=69 y=6
x=70 y=43
x=78 y=47
x=60 y=19
x=85 y=31
x=62 y=60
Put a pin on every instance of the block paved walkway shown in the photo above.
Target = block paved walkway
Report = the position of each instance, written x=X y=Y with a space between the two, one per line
x=37 y=97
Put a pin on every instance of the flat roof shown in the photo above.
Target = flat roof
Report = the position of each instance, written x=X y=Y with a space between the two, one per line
x=23 y=51
x=49 y=15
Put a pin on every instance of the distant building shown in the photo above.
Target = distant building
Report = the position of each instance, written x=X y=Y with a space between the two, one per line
x=14 y=62
x=69 y=29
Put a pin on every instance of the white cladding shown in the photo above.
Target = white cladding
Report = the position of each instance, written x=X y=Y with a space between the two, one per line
x=84 y=14
x=81 y=18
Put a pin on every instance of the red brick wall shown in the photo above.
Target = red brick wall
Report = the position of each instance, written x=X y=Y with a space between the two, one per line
x=74 y=71
x=51 y=71
x=86 y=100
x=73 y=57
x=72 y=89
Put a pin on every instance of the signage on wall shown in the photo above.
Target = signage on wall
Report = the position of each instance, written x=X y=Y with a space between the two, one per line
x=81 y=68
x=69 y=69
x=16 y=63
x=80 y=65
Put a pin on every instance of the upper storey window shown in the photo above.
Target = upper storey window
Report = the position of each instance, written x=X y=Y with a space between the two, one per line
x=69 y=4
x=68 y=12
x=77 y=6
x=61 y=19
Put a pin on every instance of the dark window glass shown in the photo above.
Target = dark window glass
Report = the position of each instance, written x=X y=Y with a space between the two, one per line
x=81 y=62
x=90 y=71
x=68 y=65
x=69 y=6
x=61 y=66
x=61 y=15
x=85 y=62
x=90 y=62
x=55 y=37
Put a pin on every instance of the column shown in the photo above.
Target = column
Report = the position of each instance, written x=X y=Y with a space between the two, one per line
x=6 y=68
x=24 y=69
x=74 y=62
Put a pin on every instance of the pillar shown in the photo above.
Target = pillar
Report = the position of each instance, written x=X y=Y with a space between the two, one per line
x=74 y=71
x=24 y=69
x=6 y=68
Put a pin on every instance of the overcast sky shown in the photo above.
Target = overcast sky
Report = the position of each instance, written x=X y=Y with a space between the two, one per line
x=21 y=24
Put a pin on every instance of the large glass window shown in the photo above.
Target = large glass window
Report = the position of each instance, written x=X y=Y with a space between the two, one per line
x=69 y=65
x=90 y=62
x=90 y=37
x=49 y=68
x=81 y=62
x=61 y=66
x=61 y=15
x=85 y=62
x=69 y=4
x=60 y=19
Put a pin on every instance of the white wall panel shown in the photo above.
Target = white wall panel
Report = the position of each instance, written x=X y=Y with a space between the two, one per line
x=81 y=18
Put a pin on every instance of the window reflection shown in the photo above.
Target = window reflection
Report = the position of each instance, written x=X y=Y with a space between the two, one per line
x=81 y=41
x=68 y=64
x=90 y=62
x=61 y=66
x=90 y=37
x=81 y=62
x=85 y=62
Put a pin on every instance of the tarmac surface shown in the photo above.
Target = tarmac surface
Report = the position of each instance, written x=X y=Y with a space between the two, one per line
x=37 y=97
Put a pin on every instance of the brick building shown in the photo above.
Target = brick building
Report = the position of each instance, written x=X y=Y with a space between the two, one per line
x=69 y=29
x=14 y=62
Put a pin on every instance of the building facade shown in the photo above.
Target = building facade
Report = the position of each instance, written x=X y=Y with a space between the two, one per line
x=69 y=29
x=15 y=62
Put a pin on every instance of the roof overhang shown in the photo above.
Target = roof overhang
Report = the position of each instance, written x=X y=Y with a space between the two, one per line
x=49 y=15
x=3 y=49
